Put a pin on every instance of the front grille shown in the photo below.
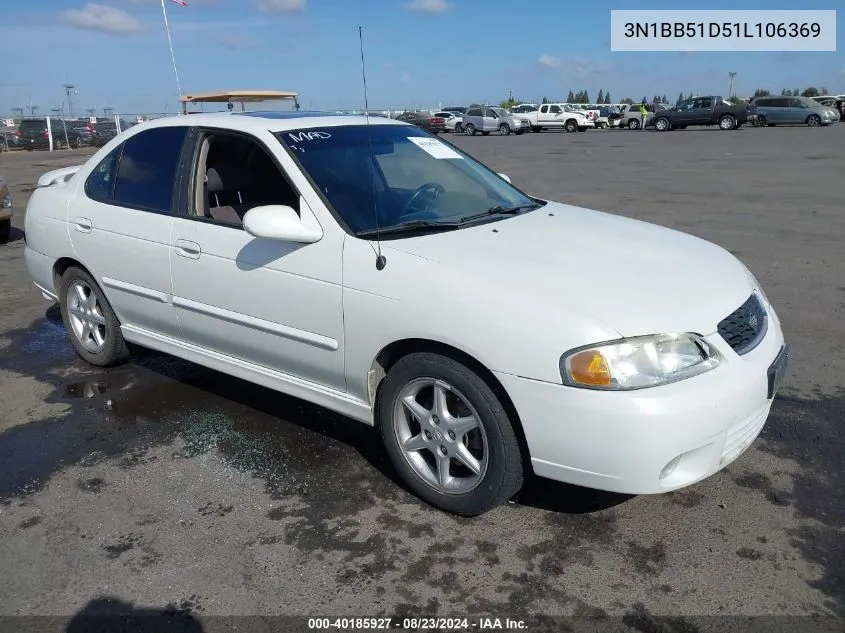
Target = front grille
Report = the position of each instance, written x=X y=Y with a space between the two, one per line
x=746 y=326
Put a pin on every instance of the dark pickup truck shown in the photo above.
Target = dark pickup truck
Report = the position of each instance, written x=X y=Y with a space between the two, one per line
x=711 y=110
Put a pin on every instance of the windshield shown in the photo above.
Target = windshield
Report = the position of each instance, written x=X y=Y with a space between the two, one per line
x=409 y=176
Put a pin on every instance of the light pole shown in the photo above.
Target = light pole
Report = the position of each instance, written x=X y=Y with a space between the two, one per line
x=70 y=91
x=731 y=85
x=107 y=111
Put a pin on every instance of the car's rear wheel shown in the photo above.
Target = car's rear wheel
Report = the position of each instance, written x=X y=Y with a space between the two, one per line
x=814 y=120
x=536 y=128
x=485 y=133
x=727 y=122
x=504 y=129
x=90 y=321
x=448 y=435
x=633 y=124
x=459 y=128
x=5 y=229
x=77 y=142
x=470 y=129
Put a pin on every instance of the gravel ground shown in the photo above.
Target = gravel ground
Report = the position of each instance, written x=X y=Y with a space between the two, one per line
x=164 y=485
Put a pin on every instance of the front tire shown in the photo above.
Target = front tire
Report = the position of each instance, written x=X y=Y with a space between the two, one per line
x=814 y=120
x=459 y=128
x=448 y=435
x=92 y=326
x=570 y=126
x=662 y=125
x=5 y=229
x=504 y=129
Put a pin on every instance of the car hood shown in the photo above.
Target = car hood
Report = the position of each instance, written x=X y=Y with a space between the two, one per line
x=638 y=278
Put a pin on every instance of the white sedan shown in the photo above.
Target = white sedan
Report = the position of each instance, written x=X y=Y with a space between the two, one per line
x=360 y=267
x=453 y=120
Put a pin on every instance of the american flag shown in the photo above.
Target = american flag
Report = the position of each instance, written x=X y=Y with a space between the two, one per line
x=181 y=3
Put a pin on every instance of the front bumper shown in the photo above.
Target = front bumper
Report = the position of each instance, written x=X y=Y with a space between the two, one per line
x=625 y=441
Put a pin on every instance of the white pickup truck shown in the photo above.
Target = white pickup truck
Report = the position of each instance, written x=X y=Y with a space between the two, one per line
x=554 y=116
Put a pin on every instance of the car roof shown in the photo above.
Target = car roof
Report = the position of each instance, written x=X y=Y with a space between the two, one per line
x=269 y=121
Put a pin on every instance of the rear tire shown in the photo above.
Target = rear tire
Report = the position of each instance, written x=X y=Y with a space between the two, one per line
x=459 y=128
x=469 y=130
x=633 y=124
x=5 y=229
x=536 y=128
x=727 y=122
x=92 y=326
x=414 y=440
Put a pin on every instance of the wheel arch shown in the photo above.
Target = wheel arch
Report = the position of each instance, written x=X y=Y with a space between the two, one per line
x=393 y=352
x=61 y=265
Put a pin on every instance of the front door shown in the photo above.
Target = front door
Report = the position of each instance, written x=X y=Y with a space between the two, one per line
x=491 y=120
x=120 y=228
x=271 y=303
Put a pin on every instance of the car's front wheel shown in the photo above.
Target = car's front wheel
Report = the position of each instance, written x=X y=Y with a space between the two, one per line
x=814 y=120
x=5 y=229
x=662 y=124
x=448 y=435
x=570 y=126
x=93 y=328
x=504 y=129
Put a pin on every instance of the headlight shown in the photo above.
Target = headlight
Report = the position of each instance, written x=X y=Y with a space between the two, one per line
x=6 y=202
x=635 y=363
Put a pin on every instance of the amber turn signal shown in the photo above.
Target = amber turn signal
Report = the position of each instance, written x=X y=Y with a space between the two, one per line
x=589 y=368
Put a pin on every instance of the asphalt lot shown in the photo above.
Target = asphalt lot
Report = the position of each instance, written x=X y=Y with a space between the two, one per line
x=163 y=484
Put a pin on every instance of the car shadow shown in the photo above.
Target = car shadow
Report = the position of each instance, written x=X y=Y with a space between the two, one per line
x=110 y=615
x=15 y=235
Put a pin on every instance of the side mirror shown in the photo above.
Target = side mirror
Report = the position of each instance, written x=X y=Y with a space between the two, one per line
x=279 y=222
x=504 y=177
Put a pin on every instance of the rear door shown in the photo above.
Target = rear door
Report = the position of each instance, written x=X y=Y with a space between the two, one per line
x=776 y=110
x=120 y=223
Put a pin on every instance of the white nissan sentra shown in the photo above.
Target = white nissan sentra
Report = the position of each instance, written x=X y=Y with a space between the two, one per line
x=378 y=271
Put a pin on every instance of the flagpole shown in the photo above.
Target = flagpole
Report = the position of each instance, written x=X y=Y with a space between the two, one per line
x=170 y=43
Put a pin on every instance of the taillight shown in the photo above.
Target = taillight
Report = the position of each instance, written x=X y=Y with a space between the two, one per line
x=19 y=134
x=438 y=120
x=45 y=134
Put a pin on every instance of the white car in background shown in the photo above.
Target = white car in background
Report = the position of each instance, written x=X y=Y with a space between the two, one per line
x=359 y=267
x=453 y=121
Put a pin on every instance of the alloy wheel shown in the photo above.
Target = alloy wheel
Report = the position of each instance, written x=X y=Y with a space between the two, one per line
x=86 y=316
x=441 y=436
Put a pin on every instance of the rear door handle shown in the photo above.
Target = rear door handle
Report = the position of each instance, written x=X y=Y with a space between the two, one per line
x=83 y=225
x=187 y=248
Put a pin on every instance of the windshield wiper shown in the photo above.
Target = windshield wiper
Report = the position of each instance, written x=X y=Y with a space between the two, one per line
x=499 y=210
x=408 y=227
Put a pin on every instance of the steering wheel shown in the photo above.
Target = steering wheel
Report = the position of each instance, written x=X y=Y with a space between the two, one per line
x=436 y=187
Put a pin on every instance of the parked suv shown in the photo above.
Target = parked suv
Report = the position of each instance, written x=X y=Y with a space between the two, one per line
x=34 y=134
x=773 y=111
x=486 y=120
x=631 y=118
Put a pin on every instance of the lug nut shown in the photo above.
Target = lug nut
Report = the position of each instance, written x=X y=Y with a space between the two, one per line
x=443 y=450
x=428 y=435
x=435 y=419
x=451 y=435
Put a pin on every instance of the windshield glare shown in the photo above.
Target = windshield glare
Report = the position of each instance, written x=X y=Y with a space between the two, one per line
x=409 y=175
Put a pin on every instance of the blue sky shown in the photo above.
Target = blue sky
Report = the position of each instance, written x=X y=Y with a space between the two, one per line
x=419 y=52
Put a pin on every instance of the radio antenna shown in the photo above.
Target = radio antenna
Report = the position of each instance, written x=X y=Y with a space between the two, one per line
x=381 y=260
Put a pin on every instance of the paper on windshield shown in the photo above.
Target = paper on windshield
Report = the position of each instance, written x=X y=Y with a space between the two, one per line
x=434 y=148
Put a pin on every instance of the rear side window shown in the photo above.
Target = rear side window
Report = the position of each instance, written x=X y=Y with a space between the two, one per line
x=146 y=174
x=474 y=112
x=100 y=183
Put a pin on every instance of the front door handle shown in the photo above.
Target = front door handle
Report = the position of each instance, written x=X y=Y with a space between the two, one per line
x=189 y=249
x=83 y=225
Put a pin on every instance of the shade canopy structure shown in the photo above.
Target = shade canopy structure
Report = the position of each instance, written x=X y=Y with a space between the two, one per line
x=237 y=96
